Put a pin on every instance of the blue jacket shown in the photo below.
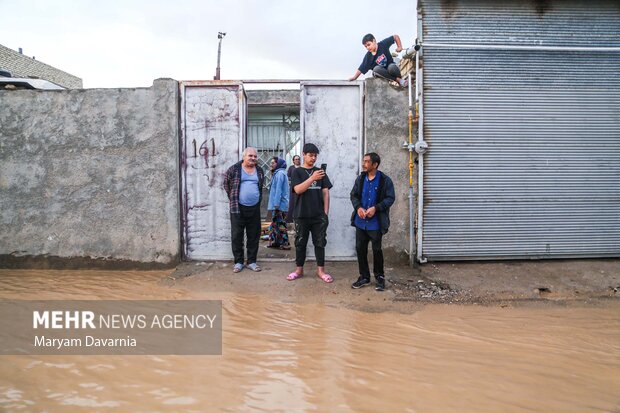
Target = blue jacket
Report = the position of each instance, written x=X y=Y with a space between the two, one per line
x=385 y=199
x=279 y=192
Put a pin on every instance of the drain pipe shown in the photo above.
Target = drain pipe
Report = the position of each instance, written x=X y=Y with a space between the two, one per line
x=411 y=195
x=420 y=148
x=412 y=148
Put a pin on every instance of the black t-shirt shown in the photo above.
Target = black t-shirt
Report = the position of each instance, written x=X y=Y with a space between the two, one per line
x=310 y=203
x=382 y=58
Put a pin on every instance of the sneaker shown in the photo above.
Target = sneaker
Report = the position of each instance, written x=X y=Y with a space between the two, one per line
x=380 y=285
x=361 y=281
x=403 y=82
x=238 y=267
x=254 y=267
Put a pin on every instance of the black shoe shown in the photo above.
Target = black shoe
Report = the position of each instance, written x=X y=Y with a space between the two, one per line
x=361 y=281
x=380 y=286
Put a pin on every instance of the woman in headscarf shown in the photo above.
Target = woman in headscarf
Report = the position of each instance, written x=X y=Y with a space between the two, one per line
x=278 y=204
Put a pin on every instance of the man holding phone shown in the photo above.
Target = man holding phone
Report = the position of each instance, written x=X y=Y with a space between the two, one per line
x=312 y=185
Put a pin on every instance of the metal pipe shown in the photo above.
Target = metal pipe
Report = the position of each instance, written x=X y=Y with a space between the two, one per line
x=410 y=97
x=362 y=139
x=217 y=68
x=420 y=116
x=220 y=36
x=409 y=53
x=411 y=195
x=242 y=121
x=519 y=47
x=183 y=190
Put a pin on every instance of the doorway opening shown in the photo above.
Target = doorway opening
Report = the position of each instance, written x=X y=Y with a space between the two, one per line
x=273 y=128
x=220 y=118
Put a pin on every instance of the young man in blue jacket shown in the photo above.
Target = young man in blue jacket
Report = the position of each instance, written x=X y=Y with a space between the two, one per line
x=372 y=196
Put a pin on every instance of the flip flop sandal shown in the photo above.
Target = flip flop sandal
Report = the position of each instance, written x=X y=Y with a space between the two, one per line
x=254 y=267
x=293 y=276
x=327 y=278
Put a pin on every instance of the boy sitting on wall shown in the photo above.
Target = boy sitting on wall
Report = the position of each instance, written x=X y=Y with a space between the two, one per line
x=379 y=59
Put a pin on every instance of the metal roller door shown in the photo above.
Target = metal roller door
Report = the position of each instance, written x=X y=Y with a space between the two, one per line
x=521 y=113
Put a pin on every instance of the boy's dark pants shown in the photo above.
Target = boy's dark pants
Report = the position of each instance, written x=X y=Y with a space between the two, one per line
x=362 y=237
x=247 y=221
x=318 y=227
x=391 y=72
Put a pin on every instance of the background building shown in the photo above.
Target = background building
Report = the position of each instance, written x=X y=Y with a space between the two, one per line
x=20 y=65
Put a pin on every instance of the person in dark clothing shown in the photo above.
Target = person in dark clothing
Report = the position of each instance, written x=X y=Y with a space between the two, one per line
x=379 y=59
x=291 y=200
x=243 y=184
x=278 y=205
x=312 y=186
x=296 y=164
x=372 y=196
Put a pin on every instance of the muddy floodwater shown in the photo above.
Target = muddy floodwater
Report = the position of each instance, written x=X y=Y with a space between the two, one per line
x=291 y=357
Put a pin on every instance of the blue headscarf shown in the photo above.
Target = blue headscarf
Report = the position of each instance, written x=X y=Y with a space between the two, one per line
x=281 y=163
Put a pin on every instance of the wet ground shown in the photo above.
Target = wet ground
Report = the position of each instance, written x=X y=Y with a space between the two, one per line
x=504 y=344
x=487 y=283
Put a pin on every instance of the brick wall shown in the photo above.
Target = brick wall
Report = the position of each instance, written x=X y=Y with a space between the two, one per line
x=23 y=66
x=408 y=66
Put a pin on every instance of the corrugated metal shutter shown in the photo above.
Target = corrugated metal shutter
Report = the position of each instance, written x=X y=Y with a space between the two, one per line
x=524 y=145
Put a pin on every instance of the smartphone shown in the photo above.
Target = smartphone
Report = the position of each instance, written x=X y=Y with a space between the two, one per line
x=324 y=167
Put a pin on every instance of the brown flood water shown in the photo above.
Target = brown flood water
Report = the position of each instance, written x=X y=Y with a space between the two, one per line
x=297 y=358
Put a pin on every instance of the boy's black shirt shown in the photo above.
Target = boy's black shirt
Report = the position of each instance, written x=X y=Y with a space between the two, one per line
x=310 y=203
x=382 y=58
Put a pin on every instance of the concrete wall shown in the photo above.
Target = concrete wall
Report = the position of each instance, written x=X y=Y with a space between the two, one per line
x=90 y=174
x=24 y=66
x=280 y=97
x=386 y=112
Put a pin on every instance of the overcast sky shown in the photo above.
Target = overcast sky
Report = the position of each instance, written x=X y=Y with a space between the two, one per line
x=131 y=43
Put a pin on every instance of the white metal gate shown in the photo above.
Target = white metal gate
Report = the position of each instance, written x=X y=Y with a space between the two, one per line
x=332 y=118
x=212 y=139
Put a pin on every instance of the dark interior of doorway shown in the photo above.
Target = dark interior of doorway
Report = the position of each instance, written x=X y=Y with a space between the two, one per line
x=274 y=130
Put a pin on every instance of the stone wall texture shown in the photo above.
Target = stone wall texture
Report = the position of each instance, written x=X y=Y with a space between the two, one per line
x=90 y=173
x=273 y=97
x=94 y=173
x=386 y=117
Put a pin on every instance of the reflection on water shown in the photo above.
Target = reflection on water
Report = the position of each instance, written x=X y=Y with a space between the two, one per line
x=288 y=357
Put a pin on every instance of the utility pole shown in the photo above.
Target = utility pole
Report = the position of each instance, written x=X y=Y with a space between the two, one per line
x=220 y=36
